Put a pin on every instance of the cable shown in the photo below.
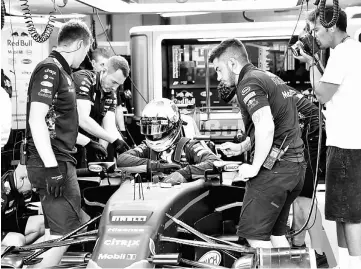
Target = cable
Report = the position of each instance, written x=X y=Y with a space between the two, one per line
x=30 y=24
x=15 y=84
x=335 y=14
x=106 y=35
x=105 y=32
x=95 y=43
x=320 y=126
x=3 y=11
x=289 y=42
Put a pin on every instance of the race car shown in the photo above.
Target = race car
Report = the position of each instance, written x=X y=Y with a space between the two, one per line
x=148 y=224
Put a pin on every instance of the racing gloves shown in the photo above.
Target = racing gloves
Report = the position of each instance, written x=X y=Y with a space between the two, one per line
x=54 y=181
x=175 y=178
x=97 y=149
x=120 y=146
x=165 y=168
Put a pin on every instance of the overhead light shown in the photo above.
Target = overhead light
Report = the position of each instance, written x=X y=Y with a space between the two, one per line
x=179 y=14
x=69 y=16
x=116 y=6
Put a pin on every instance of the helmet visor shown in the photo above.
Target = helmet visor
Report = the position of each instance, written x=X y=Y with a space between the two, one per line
x=154 y=125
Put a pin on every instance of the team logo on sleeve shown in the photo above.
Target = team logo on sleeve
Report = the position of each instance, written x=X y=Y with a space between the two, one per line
x=84 y=89
x=50 y=71
x=245 y=90
x=46 y=84
x=248 y=97
x=252 y=103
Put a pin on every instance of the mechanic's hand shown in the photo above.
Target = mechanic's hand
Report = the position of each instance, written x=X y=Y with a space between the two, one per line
x=164 y=167
x=54 y=181
x=234 y=149
x=97 y=148
x=120 y=146
x=245 y=172
x=175 y=178
x=305 y=58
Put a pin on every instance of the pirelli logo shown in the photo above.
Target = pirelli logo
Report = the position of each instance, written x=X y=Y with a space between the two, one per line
x=120 y=217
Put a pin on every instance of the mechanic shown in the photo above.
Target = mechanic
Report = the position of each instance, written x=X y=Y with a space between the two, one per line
x=96 y=101
x=166 y=149
x=16 y=228
x=269 y=191
x=52 y=129
x=338 y=88
x=308 y=120
x=309 y=125
x=99 y=59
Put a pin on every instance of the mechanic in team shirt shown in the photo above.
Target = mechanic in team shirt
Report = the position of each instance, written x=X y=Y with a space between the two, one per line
x=166 y=148
x=272 y=183
x=52 y=131
x=96 y=101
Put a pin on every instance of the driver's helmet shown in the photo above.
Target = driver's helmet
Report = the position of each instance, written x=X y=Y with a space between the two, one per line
x=161 y=124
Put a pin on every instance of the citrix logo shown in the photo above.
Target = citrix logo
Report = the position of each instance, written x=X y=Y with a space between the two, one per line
x=125 y=243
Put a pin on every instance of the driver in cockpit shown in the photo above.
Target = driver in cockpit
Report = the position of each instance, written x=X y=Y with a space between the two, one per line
x=166 y=148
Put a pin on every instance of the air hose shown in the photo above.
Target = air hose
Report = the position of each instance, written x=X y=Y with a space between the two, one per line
x=31 y=27
x=336 y=10
x=3 y=11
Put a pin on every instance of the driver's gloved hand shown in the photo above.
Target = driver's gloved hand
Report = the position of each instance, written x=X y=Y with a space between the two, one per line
x=175 y=178
x=166 y=168
x=97 y=149
x=54 y=181
x=120 y=146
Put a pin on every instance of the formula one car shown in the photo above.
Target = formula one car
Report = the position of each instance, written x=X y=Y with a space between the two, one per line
x=149 y=224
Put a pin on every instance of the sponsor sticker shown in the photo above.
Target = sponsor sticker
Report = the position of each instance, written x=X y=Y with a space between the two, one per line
x=124 y=243
x=287 y=94
x=46 y=84
x=211 y=257
x=84 y=89
x=129 y=218
x=252 y=103
x=249 y=96
x=45 y=91
x=50 y=71
x=204 y=94
x=119 y=256
x=245 y=90
x=26 y=61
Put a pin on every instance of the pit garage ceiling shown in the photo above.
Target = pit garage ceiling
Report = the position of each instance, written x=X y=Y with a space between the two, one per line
x=158 y=6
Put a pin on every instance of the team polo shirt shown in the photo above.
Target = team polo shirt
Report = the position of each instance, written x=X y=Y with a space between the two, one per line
x=88 y=87
x=51 y=83
x=343 y=111
x=257 y=89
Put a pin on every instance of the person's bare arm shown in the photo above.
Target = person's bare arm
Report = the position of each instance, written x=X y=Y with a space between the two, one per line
x=90 y=125
x=264 y=131
x=110 y=125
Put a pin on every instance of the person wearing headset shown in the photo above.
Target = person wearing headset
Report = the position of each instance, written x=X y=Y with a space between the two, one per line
x=166 y=149
x=52 y=131
x=338 y=88
x=96 y=102
x=17 y=229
